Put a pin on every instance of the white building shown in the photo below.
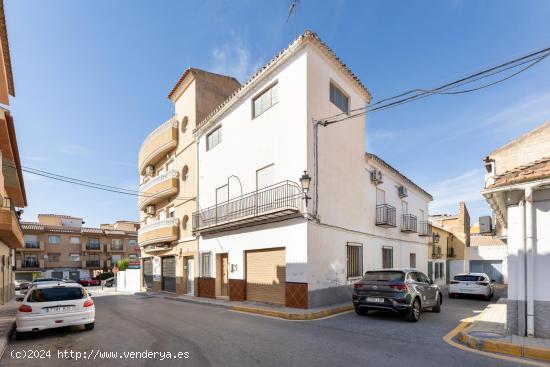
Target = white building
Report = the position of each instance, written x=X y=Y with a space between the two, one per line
x=258 y=240
x=488 y=254
x=517 y=187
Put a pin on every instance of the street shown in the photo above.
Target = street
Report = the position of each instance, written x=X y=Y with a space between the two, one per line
x=215 y=336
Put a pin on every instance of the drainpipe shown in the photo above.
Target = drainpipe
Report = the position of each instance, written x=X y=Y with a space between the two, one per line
x=530 y=253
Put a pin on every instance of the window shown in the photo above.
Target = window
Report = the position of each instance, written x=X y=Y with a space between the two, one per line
x=75 y=240
x=116 y=244
x=380 y=196
x=265 y=100
x=53 y=239
x=405 y=207
x=339 y=99
x=387 y=257
x=439 y=270
x=264 y=177
x=206 y=263
x=355 y=259
x=221 y=194
x=74 y=257
x=214 y=138
x=116 y=259
x=94 y=242
x=412 y=260
x=132 y=243
x=31 y=241
x=53 y=257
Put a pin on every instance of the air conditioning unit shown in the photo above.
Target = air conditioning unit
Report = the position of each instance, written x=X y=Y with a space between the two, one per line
x=403 y=192
x=149 y=170
x=376 y=177
x=150 y=210
x=485 y=224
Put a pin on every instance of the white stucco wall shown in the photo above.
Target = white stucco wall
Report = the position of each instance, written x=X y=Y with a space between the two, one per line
x=490 y=253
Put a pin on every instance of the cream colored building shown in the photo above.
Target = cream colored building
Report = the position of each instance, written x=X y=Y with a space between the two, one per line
x=168 y=183
x=12 y=188
x=60 y=246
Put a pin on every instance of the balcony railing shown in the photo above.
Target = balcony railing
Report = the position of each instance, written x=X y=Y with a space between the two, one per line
x=159 y=231
x=116 y=247
x=282 y=199
x=31 y=264
x=408 y=223
x=11 y=232
x=436 y=252
x=93 y=263
x=34 y=245
x=451 y=252
x=385 y=215
x=93 y=247
x=158 y=187
x=424 y=229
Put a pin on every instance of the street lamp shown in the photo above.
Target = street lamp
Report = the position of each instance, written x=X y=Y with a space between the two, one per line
x=305 y=180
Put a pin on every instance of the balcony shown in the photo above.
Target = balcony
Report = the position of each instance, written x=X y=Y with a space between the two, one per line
x=34 y=246
x=436 y=252
x=424 y=229
x=91 y=247
x=451 y=252
x=272 y=203
x=92 y=264
x=10 y=227
x=29 y=264
x=385 y=216
x=158 y=188
x=116 y=248
x=159 y=231
x=408 y=223
x=163 y=139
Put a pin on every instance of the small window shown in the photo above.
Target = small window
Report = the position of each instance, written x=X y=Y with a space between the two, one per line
x=339 y=99
x=265 y=100
x=75 y=240
x=214 y=138
x=355 y=259
x=116 y=244
x=387 y=257
x=53 y=257
x=53 y=239
x=206 y=263
x=74 y=257
x=132 y=243
x=94 y=242
x=412 y=260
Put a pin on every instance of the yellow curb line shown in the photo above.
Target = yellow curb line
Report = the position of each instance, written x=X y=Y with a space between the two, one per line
x=293 y=316
x=474 y=347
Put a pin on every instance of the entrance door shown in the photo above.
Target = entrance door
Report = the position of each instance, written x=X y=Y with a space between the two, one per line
x=266 y=275
x=224 y=276
x=148 y=273
x=169 y=274
x=190 y=276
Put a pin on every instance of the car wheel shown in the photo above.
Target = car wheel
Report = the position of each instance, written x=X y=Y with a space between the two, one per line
x=413 y=314
x=489 y=297
x=89 y=326
x=362 y=311
x=437 y=307
x=19 y=335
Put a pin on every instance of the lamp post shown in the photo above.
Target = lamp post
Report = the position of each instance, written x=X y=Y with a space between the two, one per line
x=305 y=180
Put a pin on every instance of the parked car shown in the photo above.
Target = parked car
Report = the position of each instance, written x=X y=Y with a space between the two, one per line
x=472 y=284
x=109 y=282
x=25 y=287
x=18 y=284
x=406 y=291
x=48 y=306
x=88 y=282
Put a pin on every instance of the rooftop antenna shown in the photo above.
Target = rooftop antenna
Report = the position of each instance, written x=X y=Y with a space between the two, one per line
x=292 y=11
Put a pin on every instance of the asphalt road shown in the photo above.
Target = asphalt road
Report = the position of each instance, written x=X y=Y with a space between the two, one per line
x=214 y=336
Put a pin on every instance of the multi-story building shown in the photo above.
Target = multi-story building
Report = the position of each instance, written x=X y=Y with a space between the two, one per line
x=264 y=236
x=12 y=188
x=168 y=179
x=60 y=246
x=448 y=245
x=517 y=187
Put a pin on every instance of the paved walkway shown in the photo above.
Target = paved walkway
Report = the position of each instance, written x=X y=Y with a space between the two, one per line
x=7 y=319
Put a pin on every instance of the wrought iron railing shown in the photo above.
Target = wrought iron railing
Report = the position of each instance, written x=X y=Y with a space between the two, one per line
x=32 y=244
x=28 y=263
x=436 y=252
x=424 y=228
x=408 y=223
x=93 y=246
x=93 y=263
x=286 y=195
x=451 y=252
x=385 y=215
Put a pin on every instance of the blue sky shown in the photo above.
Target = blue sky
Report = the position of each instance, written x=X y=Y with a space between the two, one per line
x=91 y=80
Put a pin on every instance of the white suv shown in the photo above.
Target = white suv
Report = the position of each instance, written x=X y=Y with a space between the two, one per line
x=52 y=305
x=472 y=284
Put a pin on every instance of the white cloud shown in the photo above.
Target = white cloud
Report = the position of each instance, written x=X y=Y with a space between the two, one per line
x=234 y=58
x=464 y=187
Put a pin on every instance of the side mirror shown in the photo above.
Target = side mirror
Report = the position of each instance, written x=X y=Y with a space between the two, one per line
x=430 y=281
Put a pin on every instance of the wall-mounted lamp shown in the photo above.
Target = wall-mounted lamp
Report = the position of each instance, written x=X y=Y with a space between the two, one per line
x=305 y=180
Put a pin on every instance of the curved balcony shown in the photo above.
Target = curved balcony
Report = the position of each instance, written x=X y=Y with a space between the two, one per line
x=159 y=231
x=158 y=188
x=160 y=141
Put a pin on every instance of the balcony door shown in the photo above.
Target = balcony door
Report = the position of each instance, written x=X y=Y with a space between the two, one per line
x=264 y=178
x=380 y=196
x=222 y=194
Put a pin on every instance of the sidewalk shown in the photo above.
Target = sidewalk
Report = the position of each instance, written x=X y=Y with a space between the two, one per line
x=282 y=312
x=488 y=333
x=7 y=323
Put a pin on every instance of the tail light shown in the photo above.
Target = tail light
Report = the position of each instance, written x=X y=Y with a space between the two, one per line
x=25 y=308
x=400 y=287
x=88 y=303
x=482 y=283
x=357 y=285
x=454 y=282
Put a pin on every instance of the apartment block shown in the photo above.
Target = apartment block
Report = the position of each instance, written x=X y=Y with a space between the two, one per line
x=168 y=183
x=61 y=246
x=292 y=212
x=12 y=188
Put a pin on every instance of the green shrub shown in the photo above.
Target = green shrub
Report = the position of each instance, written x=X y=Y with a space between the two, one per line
x=106 y=275
x=123 y=264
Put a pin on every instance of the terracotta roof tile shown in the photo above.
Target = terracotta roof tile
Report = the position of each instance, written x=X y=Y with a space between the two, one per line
x=536 y=170
x=485 y=240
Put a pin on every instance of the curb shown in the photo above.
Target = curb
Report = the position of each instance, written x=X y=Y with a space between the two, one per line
x=495 y=346
x=197 y=302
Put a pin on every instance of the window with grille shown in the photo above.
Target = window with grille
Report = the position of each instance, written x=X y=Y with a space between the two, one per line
x=206 y=263
x=355 y=259
x=387 y=257
x=53 y=239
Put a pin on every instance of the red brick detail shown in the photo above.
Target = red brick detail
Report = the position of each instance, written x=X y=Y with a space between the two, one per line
x=296 y=295
x=207 y=287
x=237 y=290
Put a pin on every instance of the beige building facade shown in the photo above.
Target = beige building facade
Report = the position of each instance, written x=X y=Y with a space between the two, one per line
x=60 y=246
x=168 y=184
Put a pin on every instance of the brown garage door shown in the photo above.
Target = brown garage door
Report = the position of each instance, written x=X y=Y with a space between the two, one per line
x=266 y=275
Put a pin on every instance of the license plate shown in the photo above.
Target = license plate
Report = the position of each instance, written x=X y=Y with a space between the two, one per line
x=464 y=290
x=375 y=299
x=59 y=309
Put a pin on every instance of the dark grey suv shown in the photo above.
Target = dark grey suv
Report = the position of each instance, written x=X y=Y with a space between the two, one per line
x=406 y=291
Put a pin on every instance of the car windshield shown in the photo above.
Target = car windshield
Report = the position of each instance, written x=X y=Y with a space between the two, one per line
x=48 y=280
x=384 y=276
x=56 y=294
x=468 y=278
